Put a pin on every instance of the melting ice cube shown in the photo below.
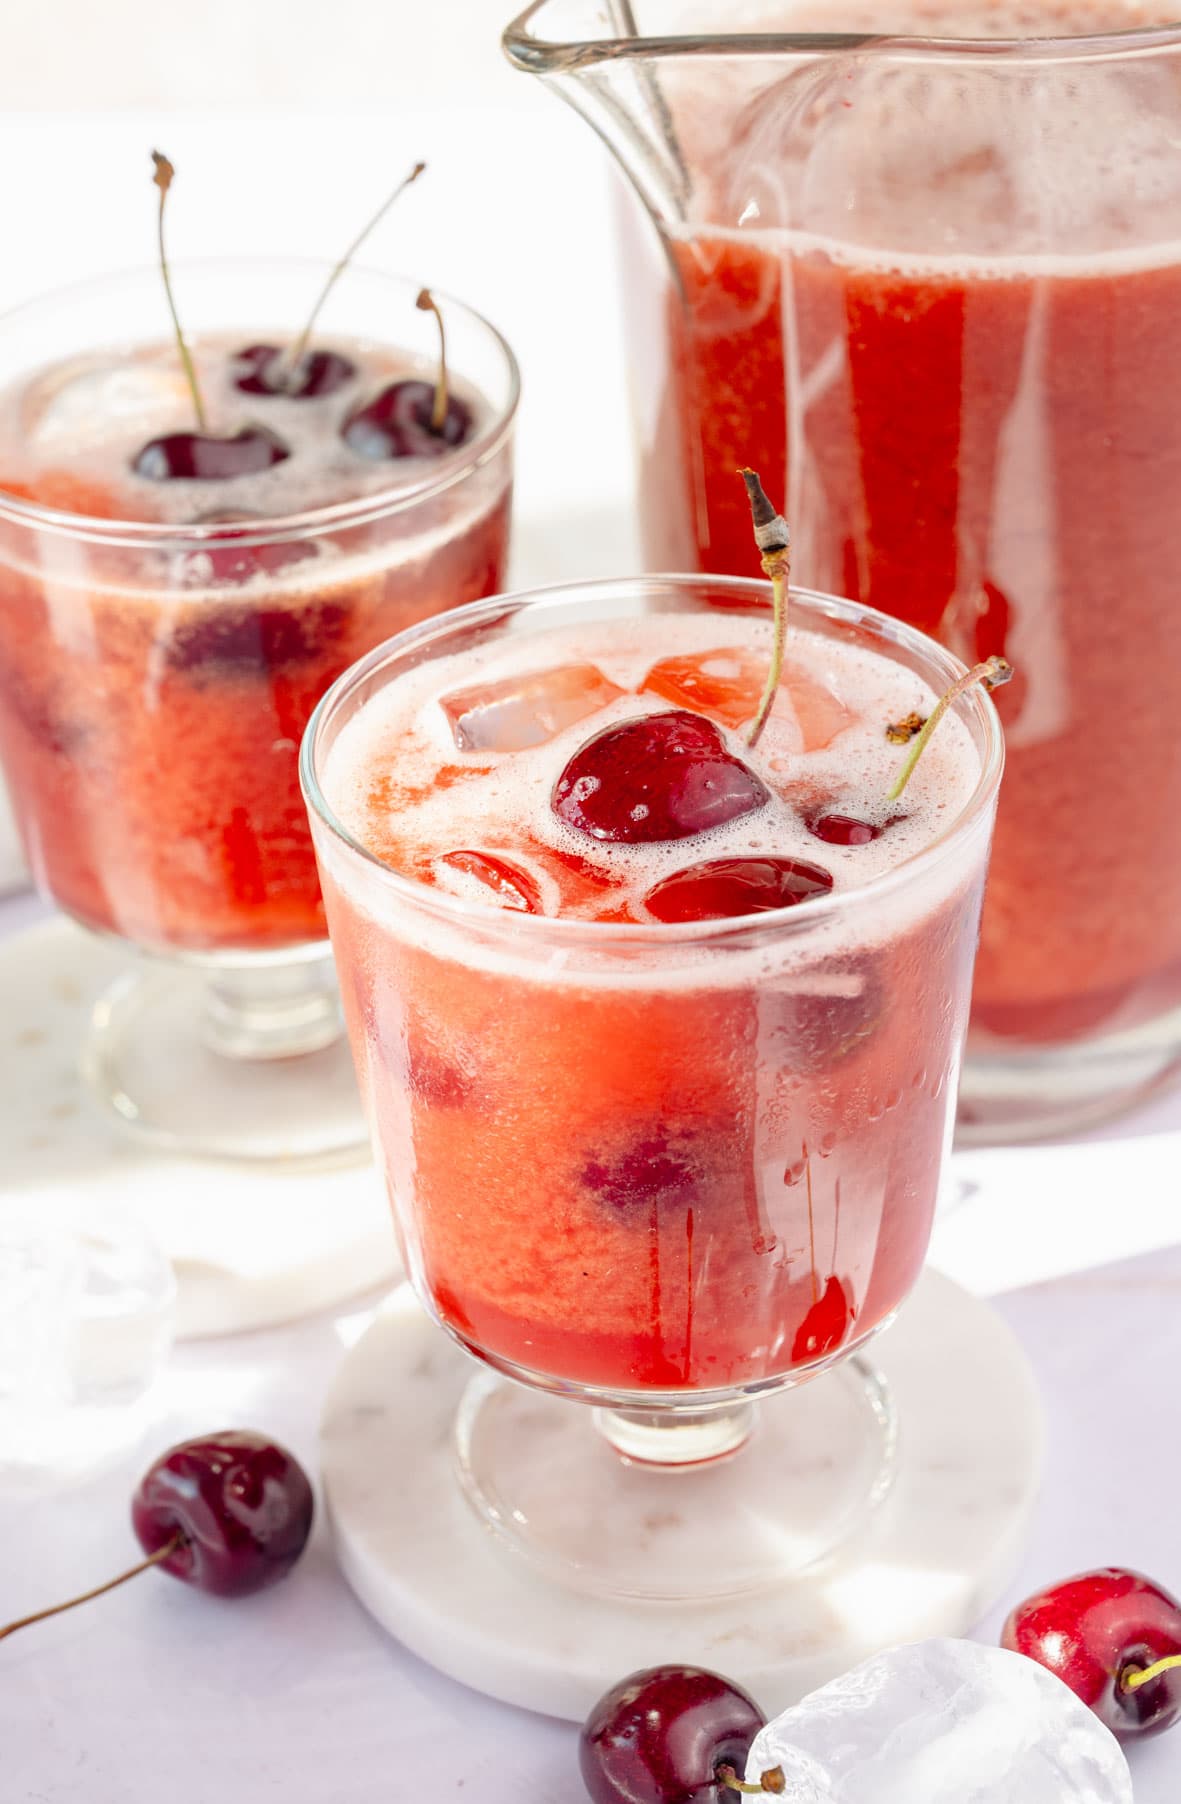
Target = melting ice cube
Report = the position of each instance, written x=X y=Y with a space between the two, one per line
x=943 y=1722
x=726 y=684
x=86 y=402
x=526 y=710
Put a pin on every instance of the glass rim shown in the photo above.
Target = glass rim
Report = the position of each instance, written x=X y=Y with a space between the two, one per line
x=541 y=56
x=605 y=935
x=156 y=535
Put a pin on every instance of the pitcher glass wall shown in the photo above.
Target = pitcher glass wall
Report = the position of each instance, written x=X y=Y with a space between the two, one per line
x=931 y=289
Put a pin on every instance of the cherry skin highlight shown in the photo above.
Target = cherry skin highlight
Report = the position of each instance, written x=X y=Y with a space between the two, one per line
x=723 y=888
x=242 y=1503
x=206 y=457
x=397 y=423
x=660 y=1736
x=1096 y=1628
x=264 y=370
x=660 y=777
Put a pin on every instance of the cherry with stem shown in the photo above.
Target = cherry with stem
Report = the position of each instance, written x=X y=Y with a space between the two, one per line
x=773 y=539
x=993 y=673
x=164 y=176
x=296 y=354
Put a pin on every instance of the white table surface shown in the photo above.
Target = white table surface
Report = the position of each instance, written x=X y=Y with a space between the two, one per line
x=157 y=1693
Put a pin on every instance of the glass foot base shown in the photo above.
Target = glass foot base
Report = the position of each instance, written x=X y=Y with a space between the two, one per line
x=248 y=1063
x=941 y=1548
x=1012 y=1094
x=625 y=1504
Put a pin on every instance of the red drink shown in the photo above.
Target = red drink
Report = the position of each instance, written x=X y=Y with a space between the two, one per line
x=163 y=642
x=639 y=1136
x=900 y=508
x=930 y=291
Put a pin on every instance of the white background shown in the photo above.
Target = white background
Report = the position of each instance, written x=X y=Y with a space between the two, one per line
x=287 y=122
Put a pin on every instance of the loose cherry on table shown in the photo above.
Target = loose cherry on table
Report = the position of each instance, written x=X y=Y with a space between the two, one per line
x=659 y=777
x=268 y=370
x=229 y=1513
x=670 y=1735
x=1115 y=1638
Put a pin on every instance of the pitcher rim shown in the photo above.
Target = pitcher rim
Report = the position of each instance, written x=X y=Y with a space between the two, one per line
x=542 y=56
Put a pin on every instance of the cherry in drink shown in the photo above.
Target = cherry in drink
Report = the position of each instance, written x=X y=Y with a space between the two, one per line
x=197 y=535
x=659 y=1031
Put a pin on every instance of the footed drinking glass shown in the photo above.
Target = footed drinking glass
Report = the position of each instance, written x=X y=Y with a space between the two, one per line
x=156 y=674
x=664 y=1182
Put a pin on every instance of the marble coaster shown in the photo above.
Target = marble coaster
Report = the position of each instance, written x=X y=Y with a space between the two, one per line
x=930 y=1561
x=250 y=1248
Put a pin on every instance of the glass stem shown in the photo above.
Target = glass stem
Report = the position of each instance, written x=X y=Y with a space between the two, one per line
x=673 y=1438
x=274 y=1011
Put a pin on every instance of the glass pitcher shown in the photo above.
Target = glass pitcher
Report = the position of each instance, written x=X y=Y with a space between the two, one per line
x=931 y=287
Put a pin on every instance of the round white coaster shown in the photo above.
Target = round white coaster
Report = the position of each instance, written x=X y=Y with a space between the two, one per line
x=930 y=1561
x=250 y=1247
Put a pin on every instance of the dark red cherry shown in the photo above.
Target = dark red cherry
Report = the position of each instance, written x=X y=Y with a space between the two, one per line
x=724 y=887
x=846 y=829
x=397 y=423
x=656 y=1171
x=263 y=370
x=660 y=1736
x=207 y=457
x=222 y=640
x=505 y=883
x=1094 y=1631
x=662 y=776
x=230 y=562
x=242 y=1504
x=824 y=1326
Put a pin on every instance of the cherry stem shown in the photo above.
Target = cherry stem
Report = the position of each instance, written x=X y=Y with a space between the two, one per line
x=295 y=357
x=773 y=539
x=992 y=673
x=162 y=1553
x=770 y=1781
x=1135 y=1676
x=163 y=178
x=426 y=303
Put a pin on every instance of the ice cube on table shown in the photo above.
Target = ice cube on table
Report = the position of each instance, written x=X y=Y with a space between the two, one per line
x=521 y=711
x=86 y=1305
x=943 y=1722
x=84 y=403
x=727 y=684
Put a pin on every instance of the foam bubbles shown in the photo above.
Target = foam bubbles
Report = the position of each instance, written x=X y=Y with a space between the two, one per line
x=382 y=774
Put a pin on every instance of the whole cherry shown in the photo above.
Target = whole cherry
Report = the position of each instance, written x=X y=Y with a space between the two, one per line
x=200 y=456
x=230 y=1513
x=670 y=1735
x=847 y=829
x=397 y=423
x=411 y=418
x=658 y=777
x=1114 y=1637
x=238 y=1506
x=723 y=888
x=265 y=369
x=209 y=456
